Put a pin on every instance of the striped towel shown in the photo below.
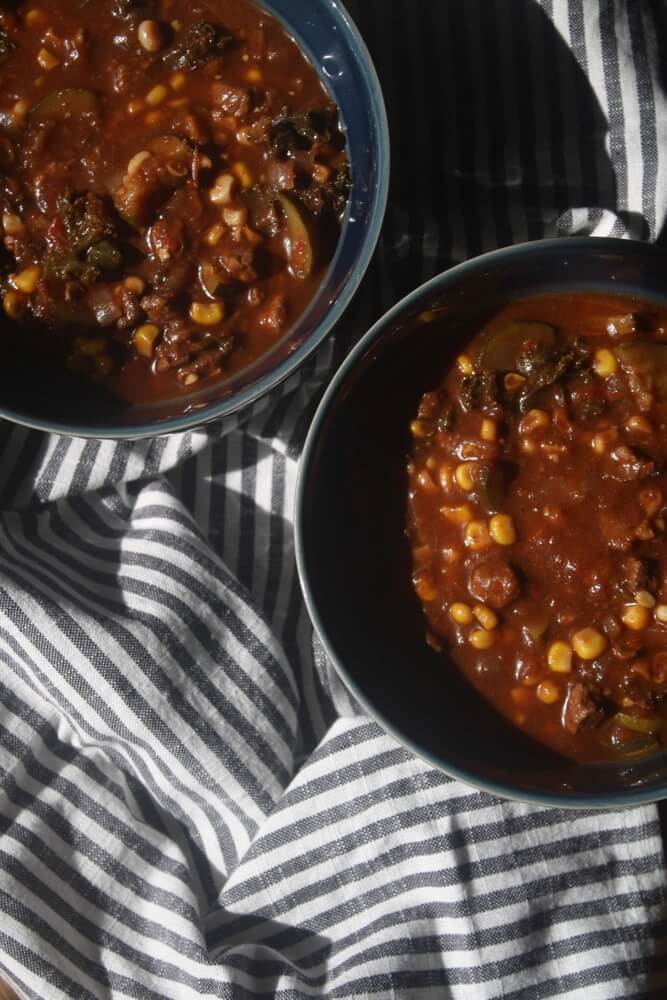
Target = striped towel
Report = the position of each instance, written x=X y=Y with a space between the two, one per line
x=190 y=804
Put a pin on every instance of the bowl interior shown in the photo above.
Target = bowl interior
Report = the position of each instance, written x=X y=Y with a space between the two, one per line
x=36 y=391
x=354 y=557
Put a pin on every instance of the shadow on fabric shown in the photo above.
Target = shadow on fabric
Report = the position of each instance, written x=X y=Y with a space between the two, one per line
x=498 y=135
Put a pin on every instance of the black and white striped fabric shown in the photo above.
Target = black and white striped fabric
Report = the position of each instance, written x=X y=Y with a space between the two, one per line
x=190 y=804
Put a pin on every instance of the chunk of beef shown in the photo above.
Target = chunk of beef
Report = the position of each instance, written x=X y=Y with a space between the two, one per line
x=263 y=208
x=158 y=175
x=273 y=315
x=158 y=308
x=581 y=708
x=618 y=528
x=586 y=398
x=125 y=77
x=201 y=43
x=239 y=263
x=281 y=174
x=131 y=310
x=234 y=101
x=494 y=582
x=166 y=239
x=634 y=574
x=628 y=464
x=206 y=363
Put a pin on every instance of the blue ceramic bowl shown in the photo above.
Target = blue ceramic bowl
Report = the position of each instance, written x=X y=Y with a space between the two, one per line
x=353 y=556
x=331 y=40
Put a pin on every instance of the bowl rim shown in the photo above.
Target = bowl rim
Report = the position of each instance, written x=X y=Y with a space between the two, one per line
x=246 y=397
x=583 y=800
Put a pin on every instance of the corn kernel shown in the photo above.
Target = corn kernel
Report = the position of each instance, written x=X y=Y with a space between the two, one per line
x=27 y=280
x=445 y=477
x=178 y=81
x=418 y=429
x=559 y=657
x=14 y=304
x=135 y=284
x=157 y=95
x=36 y=18
x=487 y=618
x=603 y=439
x=472 y=451
x=21 y=108
x=144 y=339
x=461 y=613
x=513 y=381
x=235 y=217
x=425 y=482
x=254 y=75
x=548 y=692
x=534 y=422
x=605 y=363
x=636 y=617
x=502 y=529
x=477 y=536
x=661 y=614
x=221 y=192
x=12 y=224
x=458 y=515
x=191 y=378
x=47 y=60
x=214 y=235
x=465 y=364
x=464 y=477
x=207 y=313
x=425 y=590
x=489 y=430
x=588 y=643
x=242 y=174
x=645 y=599
x=638 y=424
x=479 y=638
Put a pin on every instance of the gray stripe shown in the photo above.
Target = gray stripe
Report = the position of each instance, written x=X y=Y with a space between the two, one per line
x=76 y=795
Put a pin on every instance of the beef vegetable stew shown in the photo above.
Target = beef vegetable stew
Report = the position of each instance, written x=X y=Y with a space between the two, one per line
x=173 y=179
x=537 y=518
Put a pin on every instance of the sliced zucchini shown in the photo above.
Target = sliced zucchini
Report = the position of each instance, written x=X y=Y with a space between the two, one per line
x=73 y=102
x=503 y=346
x=298 y=241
